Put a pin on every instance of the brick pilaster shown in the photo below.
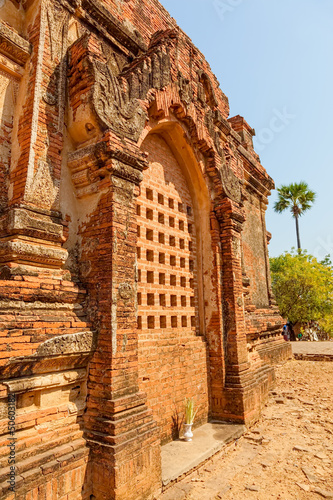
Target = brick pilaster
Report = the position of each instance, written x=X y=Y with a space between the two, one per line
x=119 y=427
x=238 y=378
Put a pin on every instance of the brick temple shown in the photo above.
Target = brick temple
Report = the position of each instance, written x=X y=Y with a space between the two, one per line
x=134 y=267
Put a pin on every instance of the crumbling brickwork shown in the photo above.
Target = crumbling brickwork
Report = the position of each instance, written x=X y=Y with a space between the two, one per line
x=133 y=249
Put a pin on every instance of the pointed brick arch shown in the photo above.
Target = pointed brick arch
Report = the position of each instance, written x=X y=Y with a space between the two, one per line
x=172 y=350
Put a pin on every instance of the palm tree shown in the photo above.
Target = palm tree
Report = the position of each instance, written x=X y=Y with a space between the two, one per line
x=299 y=198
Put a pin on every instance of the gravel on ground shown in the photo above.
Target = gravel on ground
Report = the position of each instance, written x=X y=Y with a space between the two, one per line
x=287 y=455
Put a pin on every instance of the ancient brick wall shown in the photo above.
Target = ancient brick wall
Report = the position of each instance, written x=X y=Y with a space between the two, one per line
x=36 y=308
x=133 y=252
x=49 y=385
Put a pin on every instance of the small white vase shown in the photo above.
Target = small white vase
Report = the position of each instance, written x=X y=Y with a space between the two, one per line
x=188 y=434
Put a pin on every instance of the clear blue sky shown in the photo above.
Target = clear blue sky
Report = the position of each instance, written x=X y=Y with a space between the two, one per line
x=275 y=57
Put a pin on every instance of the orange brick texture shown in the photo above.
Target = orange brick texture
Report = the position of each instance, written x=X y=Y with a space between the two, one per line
x=133 y=249
x=25 y=319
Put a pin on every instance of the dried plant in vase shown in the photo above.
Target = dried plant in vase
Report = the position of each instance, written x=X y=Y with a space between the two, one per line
x=190 y=413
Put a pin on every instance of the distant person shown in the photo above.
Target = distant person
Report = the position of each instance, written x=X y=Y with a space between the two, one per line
x=285 y=332
x=292 y=335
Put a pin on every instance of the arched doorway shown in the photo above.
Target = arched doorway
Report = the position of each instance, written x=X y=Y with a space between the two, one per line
x=173 y=360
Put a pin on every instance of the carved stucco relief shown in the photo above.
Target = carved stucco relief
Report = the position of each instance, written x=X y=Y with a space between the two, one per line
x=115 y=111
x=8 y=93
x=230 y=183
x=45 y=188
x=118 y=93
x=41 y=184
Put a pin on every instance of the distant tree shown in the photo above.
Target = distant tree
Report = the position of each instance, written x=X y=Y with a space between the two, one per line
x=327 y=261
x=298 y=198
x=303 y=288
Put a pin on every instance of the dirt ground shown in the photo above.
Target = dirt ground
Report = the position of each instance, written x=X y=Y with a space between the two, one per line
x=287 y=455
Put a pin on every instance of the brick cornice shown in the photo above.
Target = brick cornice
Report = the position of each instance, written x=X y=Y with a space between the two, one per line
x=99 y=18
x=257 y=172
x=13 y=45
x=229 y=213
x=90 y=166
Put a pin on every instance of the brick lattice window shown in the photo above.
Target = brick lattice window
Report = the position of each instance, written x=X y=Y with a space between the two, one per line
x=167 y=230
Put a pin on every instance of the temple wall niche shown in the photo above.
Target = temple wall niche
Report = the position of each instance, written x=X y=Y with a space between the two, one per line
x=8 y=89
x=254 y=249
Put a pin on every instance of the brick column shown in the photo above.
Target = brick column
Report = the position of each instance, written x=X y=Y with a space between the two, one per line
x=119 y=427
x=235 y=402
